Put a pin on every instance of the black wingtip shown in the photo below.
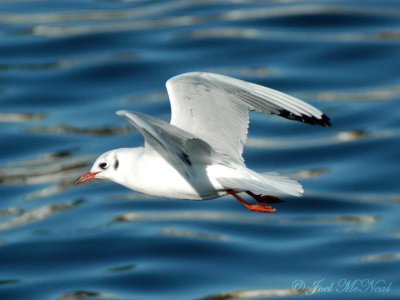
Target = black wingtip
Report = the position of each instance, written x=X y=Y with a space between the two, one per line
x=324 y=121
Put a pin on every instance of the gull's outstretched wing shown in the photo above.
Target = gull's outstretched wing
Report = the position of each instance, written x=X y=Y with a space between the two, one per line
x=175 y=145
x=215 y=109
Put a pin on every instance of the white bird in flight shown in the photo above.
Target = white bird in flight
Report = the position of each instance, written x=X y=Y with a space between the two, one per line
x=198 y=155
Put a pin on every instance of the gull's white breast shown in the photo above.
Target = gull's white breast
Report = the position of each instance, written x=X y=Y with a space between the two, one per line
x=155 y=176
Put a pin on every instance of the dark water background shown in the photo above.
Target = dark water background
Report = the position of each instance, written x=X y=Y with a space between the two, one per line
x=66 y=66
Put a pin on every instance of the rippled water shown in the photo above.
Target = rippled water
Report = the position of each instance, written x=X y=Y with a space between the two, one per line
x=66 y=66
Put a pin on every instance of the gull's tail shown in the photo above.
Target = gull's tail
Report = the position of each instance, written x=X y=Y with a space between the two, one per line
x=284 y=184
x=270 y=183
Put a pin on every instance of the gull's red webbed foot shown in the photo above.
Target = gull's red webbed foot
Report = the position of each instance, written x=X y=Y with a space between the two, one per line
x=265 y=198
x=260 y=207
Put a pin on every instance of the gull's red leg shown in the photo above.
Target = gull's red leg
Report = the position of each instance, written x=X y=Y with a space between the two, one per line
x=254 y=207
x=265 y=198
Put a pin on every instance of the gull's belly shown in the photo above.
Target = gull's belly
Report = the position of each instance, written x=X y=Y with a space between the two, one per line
x=163 y=180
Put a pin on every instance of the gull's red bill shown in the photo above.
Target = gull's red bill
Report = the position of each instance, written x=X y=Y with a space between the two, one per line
x=85 y=177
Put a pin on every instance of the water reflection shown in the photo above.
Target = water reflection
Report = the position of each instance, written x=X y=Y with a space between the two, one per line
x=95 y=21
x=244 y=71
x=375 y=198
x=68 y=129
x=254 y=294
x=152 y=97
x=45 y=169
x=10 y=211
x=172 y=231
x=122 y=268
x=378 y=93
x=356 y=222
x=38 y=214
x=263 y=34
x=351 y=135
x=20 y=117
x=183 y=215
x=65 y=63
x=90 y=15
x=66 y=30
x=48 y=191
x=338 y=137
x=359 y=219
x=310 y=173
x=60 y=167
x=87 y=294
x=298 y=10
x=9 y=281
x=381 y=257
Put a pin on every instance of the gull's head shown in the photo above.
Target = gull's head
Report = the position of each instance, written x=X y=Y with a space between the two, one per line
x=105 y=167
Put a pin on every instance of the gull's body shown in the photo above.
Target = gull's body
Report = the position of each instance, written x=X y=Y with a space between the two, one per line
x=198 y=155
x=153 y=175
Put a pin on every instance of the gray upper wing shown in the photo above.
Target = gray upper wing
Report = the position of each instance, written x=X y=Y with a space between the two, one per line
x=215 y=108
x=175 y=145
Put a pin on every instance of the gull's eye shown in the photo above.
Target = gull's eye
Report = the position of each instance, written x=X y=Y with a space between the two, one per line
x=103 y=165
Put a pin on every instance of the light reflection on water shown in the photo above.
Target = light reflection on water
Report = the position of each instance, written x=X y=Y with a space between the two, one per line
x=65 y=70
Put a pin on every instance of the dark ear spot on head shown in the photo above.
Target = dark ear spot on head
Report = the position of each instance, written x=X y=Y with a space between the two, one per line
x=116 y=164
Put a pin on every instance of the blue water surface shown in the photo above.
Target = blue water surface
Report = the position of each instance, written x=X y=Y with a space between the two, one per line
x=67 y=66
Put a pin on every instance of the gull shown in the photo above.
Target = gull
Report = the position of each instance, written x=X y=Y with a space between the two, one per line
x=198 y=155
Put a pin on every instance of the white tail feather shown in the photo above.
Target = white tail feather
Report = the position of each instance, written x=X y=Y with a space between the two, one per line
x=285 y=184
x=264 y=183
